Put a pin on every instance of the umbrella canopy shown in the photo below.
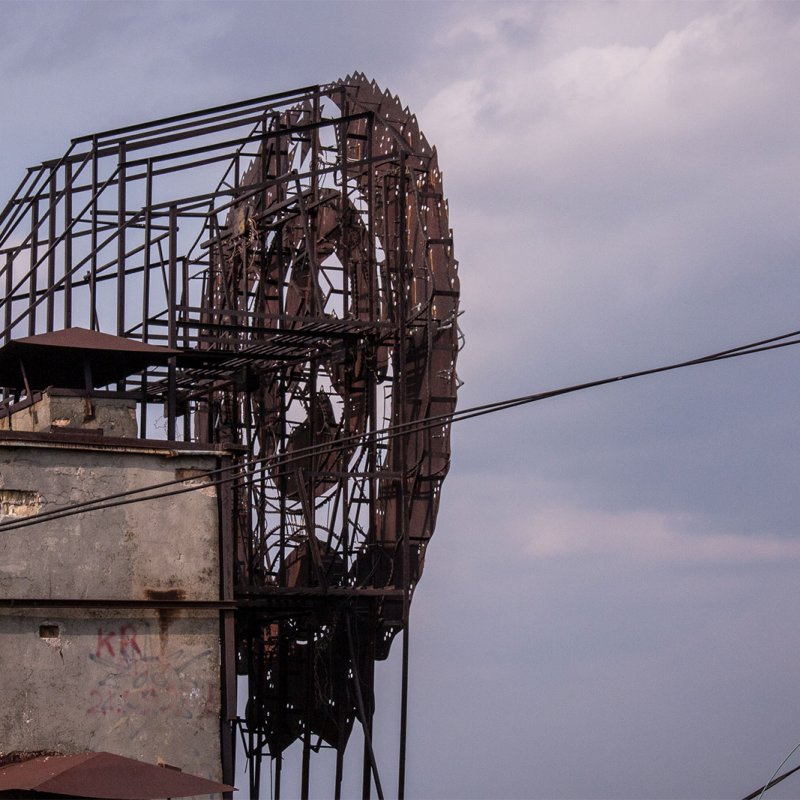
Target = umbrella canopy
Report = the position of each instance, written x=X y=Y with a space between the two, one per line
x=103 y=775
x=61 y=357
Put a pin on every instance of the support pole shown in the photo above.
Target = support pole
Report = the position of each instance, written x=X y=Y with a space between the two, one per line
x=121 y=238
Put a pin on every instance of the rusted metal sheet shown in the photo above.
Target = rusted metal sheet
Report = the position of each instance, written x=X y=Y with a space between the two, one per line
x=103 y=775
x=62 y=358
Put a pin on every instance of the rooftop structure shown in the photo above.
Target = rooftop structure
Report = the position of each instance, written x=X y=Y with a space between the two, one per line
x=260 y=299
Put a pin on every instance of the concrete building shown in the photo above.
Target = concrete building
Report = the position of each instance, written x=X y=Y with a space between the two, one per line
x=112 y=621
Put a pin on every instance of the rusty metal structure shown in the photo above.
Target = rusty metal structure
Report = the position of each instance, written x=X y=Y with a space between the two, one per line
x=293 y=252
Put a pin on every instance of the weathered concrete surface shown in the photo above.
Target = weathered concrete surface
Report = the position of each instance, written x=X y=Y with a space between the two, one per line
x=121 y=553
x=137 y=685
x=114 y=416
x=142 y=683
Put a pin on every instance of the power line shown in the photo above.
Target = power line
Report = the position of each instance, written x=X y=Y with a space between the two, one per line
x=235 y=472
x=760 y=791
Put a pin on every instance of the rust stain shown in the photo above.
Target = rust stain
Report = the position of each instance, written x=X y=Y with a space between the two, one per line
x=165 y=615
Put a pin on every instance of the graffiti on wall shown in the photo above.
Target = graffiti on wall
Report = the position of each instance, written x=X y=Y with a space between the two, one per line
x=140 y=676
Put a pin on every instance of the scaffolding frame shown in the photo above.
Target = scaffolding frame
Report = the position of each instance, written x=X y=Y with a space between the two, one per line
x=313 y=297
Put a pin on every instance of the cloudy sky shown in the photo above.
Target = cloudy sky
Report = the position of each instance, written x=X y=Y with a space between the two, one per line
x=609 y=608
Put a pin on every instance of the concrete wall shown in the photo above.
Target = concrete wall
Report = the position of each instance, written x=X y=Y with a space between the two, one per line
x=62 y=411
x=142 y=683
x=125 y=683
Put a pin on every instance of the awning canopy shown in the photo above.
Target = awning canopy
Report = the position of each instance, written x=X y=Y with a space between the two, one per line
x=103 y=775
x=65 y=358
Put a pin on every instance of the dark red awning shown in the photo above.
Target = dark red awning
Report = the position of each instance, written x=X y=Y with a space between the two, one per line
x=59 y=359
x=103 y=775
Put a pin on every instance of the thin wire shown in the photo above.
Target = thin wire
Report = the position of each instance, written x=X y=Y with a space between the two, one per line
x=759 y=792
x=780 y=767
x=285 y=459
x=125 y=498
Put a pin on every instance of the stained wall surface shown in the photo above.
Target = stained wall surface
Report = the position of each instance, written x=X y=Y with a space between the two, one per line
x=138 y=682
x=64 y=410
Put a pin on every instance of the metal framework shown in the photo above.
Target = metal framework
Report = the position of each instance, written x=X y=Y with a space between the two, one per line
x=296 y=250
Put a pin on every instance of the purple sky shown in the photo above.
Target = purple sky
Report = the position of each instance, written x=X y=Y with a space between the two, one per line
x=608 y=607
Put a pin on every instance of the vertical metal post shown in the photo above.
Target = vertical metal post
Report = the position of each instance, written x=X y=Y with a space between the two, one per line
x=373 y=277
x=278 y=775
x=172 y=331
x=148 y=243
x=368 y=704
x=184 y=315
x=7 y=299
x=121 y=220
x=51 y=251
x=68 y=244
x=172 y=405
x=280 y=232
x=372 y=456
x=309 y=698
x=32 y=280
x=172 y=300
x=311 y=532
x=344 y=210
x=401 y=777
x=93 y=240
x=314 y=133
x=341 y=744
x=365 y=708
x=255 y=665
x=344 y=482
x=405 y=543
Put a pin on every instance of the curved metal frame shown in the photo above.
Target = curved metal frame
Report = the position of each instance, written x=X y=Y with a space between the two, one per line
x=314 y=296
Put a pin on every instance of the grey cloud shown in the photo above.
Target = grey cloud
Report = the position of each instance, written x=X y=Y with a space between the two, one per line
x=628 y=199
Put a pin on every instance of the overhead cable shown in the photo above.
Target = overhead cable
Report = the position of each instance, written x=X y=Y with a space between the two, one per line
x=277 y=462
